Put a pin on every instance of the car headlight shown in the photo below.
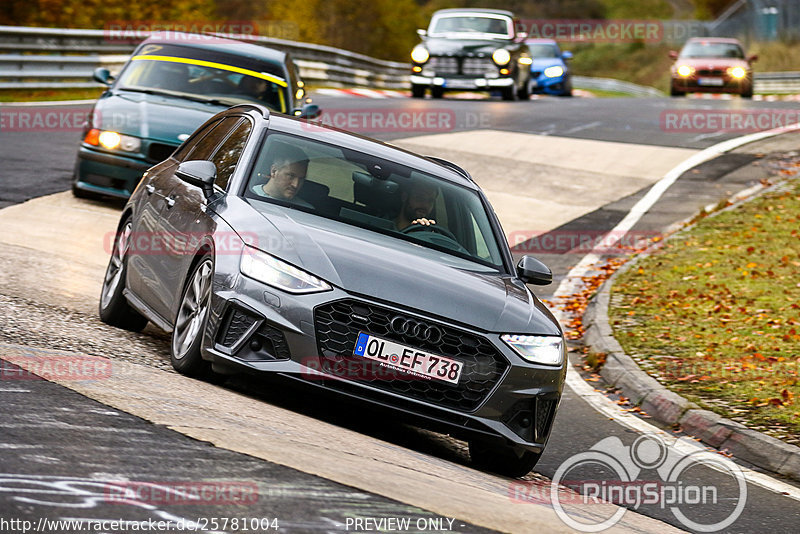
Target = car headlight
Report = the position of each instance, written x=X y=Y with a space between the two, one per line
x=737 y=72
x=420 y=54
x=112 y=140
x=501 y=56
x=553 y=72
x=685 y=70
x=279 y=274
x=546 y=350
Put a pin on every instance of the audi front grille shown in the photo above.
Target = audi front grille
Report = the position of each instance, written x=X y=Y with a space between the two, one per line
x=338 y=324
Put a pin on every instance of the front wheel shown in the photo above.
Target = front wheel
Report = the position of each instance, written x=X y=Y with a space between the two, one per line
x=114 y=307
x=187 y=336
x=418 y=91
x=675 y=92
x=509 y=93
x=502 y=460
x=437 y=92
x=524 y=92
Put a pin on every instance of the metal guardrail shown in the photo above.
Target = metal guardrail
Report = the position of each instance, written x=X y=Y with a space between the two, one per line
x=49 y=58
x=34 y=58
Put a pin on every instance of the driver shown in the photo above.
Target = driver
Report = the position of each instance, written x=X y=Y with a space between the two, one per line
x=417 y=205
x=287 y=174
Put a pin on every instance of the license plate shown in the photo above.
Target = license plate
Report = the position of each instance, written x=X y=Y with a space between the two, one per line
x=459 y=84
x=710 y=81
x=423 y=364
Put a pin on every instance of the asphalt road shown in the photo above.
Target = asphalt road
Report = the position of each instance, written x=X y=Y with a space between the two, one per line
x=39 y=163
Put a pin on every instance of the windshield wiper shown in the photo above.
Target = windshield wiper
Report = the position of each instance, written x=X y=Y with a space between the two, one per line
x=185 y=96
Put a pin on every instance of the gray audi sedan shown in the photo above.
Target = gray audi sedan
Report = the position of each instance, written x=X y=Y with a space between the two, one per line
x=269 y=244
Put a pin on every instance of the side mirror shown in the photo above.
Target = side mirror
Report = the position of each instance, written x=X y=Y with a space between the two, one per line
x=532 y=271
x=422 y=33
x=309 y=111
x=566 y=55
x=673 y=54
x=522 y=35
x=102 y=75
x=752 y=58
x=200 y=173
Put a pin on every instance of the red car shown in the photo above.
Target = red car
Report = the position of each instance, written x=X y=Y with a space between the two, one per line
x=712 y=65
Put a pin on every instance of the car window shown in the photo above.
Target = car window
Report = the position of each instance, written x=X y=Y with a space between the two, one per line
x=471 y=23
x=382 y=196
x=207 y=145
x=190 y=143
x=702 y=49
x=205 y=74
x=228 y=154
x=543 y=50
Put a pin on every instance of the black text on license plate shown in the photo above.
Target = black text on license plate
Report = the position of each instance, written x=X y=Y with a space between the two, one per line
x=412 y=361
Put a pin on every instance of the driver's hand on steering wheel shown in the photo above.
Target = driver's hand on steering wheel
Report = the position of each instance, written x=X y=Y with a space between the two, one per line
x=423 y=222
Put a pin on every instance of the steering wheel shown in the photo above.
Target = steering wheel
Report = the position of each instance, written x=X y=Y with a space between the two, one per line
x=417 y=227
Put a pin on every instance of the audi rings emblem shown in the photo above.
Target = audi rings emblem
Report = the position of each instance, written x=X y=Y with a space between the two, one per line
x=412 y=328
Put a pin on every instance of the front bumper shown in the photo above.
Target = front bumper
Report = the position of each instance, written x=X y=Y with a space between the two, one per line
x=461 y=83
x=553 y=86
x=724 y=84
x=108 y=174
x=257 y=329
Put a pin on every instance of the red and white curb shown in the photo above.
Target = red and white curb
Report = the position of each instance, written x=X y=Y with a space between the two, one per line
x=376 y=93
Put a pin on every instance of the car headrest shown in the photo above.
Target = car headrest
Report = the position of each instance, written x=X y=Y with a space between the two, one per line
x=314 y=193
x=381 y=197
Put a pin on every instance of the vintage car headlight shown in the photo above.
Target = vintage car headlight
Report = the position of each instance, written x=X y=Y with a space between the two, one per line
x=546 y=350
x=501 y=56
x=420 y=54
x=685 y=70
x=279 y=274
x=112 y=140
x=737 y=72
x=553 y=72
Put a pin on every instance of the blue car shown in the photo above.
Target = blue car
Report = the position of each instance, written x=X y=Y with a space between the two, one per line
x=549 y=72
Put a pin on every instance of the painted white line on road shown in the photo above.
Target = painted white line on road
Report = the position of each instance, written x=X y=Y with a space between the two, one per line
x=573 y=283
x=582 y=127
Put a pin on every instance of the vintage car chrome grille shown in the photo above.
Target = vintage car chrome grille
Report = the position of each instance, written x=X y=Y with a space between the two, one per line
x=443 y=65
x=337 y=326
x=477 y=66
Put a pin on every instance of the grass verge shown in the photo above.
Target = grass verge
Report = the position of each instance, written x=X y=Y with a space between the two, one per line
x=715 y=312
x=44 y=95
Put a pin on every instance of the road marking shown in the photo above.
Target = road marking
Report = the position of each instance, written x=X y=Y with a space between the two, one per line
x=582 y=127
x=572 y=282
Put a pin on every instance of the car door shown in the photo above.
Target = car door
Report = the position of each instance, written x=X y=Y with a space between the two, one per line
x=155 y=281
x=189 y=217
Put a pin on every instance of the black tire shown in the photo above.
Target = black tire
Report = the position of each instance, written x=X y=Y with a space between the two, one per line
x=417 y=91
x=503 y=460
x=190 y=322
x=748 y=93
x=509 y=93
x=114 y=308
x=524 y=92
x=675 y=92
x=437 y=92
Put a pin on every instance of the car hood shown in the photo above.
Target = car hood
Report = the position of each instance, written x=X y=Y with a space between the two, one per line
x=463 y=47
x=156 y=117
x=541 y=63
x=397 y=272
x=712 y=62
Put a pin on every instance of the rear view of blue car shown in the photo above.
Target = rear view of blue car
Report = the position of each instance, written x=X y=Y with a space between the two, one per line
x=549 y=71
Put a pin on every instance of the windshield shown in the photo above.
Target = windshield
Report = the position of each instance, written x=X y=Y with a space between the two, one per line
x=217 y=77
x=543 y=50
x=495 y=26
x=712 y=50
x=377 y=195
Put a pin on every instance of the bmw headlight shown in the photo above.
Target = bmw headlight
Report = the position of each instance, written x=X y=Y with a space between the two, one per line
x=279 y=274
x=112 y=140
x=737 y=72
x=553 y=72
x=420 y=54
x=546 y=350
x=501 y=56
x=685 y=71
